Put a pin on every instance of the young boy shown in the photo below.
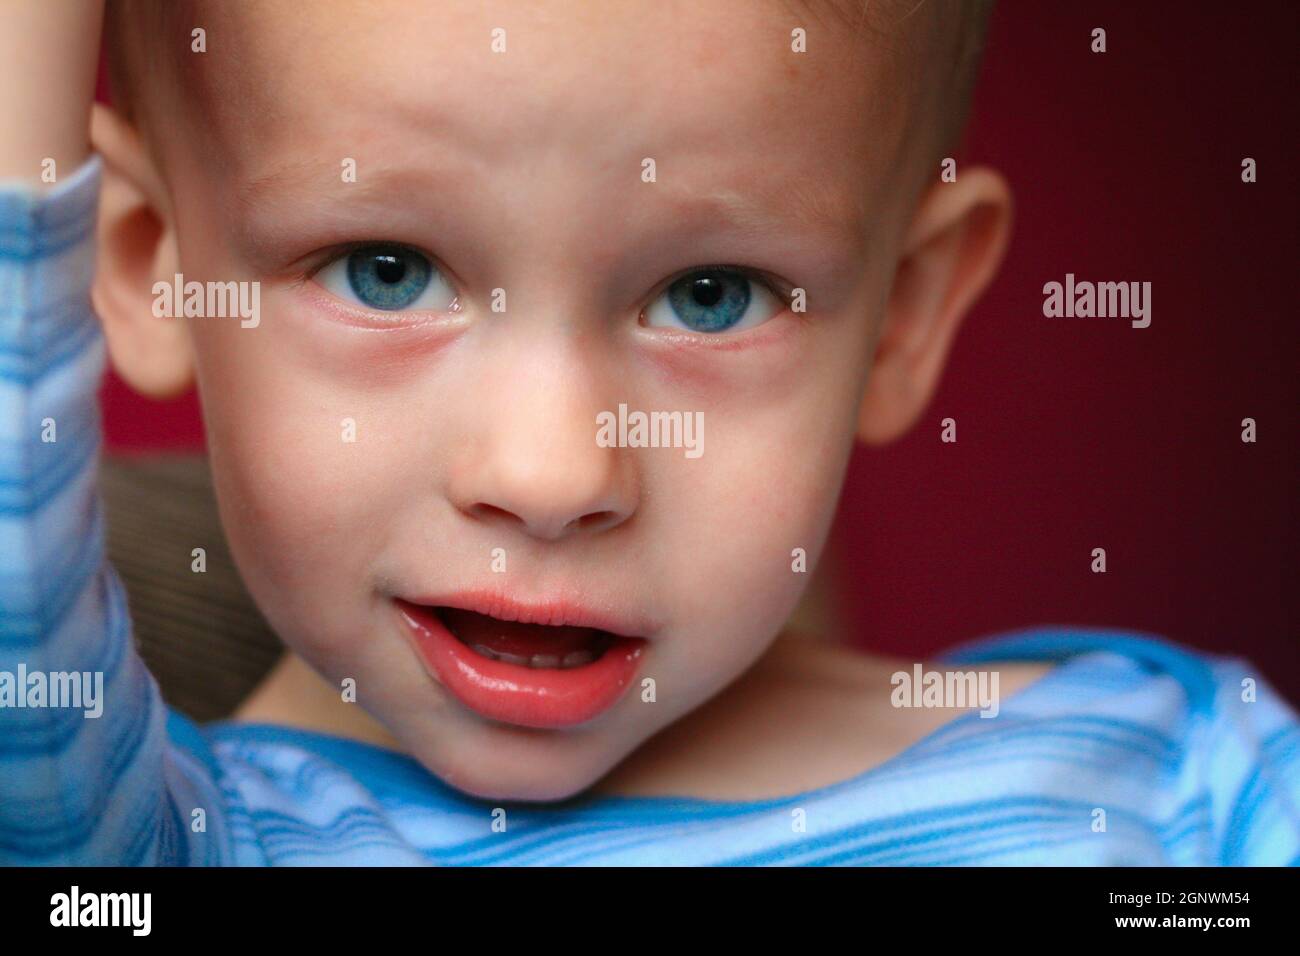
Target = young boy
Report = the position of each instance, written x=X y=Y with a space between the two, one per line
x=532 y=344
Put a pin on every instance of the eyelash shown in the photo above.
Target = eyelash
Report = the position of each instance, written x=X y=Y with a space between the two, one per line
x=779 y=288
x=335 y=253
x=783 y=290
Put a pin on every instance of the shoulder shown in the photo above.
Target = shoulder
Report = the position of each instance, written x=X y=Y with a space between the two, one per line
x=1185 y=691
x=293 y=796
x=1129 y=659
x=1249 y=755
x=1229 y=741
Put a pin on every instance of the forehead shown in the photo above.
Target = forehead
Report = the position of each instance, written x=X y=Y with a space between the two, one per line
x=712 y=92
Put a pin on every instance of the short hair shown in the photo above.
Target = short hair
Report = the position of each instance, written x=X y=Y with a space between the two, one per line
x=137 y=35
x=948 y=70
x=147 y=38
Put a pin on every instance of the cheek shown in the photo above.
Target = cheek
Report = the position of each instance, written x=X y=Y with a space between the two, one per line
x=767 y=484
x=302 y=473
x=779 y=428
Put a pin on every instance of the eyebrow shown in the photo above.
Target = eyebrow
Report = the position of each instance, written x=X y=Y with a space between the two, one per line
x=781 y=205
x=310 y=173
x=787 y=208
x=250 y=192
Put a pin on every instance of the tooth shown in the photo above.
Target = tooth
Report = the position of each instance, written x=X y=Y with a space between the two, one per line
x=577 y=658
x=544 y=660
x=513 y=659
x=485 y=651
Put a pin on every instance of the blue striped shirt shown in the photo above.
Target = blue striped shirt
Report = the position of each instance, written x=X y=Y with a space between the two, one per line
x=1129 y=751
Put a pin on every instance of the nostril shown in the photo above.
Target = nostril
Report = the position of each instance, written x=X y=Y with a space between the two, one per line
x=595 y=521
x=492 y=512
x=550 y=526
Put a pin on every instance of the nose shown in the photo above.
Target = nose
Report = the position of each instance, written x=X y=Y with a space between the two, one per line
x=536 y=467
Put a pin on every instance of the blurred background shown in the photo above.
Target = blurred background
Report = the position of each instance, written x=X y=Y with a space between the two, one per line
x=1073 y=434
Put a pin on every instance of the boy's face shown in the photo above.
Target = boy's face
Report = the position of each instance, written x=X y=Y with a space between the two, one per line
x=476 y=430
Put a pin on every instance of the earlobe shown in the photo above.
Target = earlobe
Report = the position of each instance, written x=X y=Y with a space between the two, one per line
x=950 y=254
x=136 y=247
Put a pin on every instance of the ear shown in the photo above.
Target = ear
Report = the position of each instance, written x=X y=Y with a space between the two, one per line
x=951 y=252
x=136 y=248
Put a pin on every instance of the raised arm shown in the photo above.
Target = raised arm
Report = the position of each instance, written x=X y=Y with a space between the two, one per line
x=48 y=53
x=87 y=775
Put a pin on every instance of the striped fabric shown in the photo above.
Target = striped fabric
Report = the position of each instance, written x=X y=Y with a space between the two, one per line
x=1129 y=751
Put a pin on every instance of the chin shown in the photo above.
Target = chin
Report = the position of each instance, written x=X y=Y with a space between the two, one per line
x=538 y=782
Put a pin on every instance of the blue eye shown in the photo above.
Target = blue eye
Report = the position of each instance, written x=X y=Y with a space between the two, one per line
x=388 y=277
x=713 y=300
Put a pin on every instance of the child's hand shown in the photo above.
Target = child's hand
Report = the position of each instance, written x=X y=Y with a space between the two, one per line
x=48 y=53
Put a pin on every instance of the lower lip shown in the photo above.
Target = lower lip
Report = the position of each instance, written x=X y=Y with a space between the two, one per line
x=545 y=698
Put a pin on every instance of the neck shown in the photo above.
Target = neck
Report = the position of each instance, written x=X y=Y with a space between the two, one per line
x=294 y=695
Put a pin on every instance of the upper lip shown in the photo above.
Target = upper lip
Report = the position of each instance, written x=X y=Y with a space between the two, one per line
x=554 y=611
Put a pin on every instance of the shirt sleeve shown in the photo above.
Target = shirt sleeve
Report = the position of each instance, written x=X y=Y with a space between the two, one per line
x=87 y=775
x=1252 y=768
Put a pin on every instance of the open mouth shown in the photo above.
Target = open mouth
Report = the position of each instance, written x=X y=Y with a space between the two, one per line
x=539 y=646
x=538 y=666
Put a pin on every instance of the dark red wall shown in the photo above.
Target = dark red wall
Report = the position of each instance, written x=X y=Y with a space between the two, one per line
x=1083 y=433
